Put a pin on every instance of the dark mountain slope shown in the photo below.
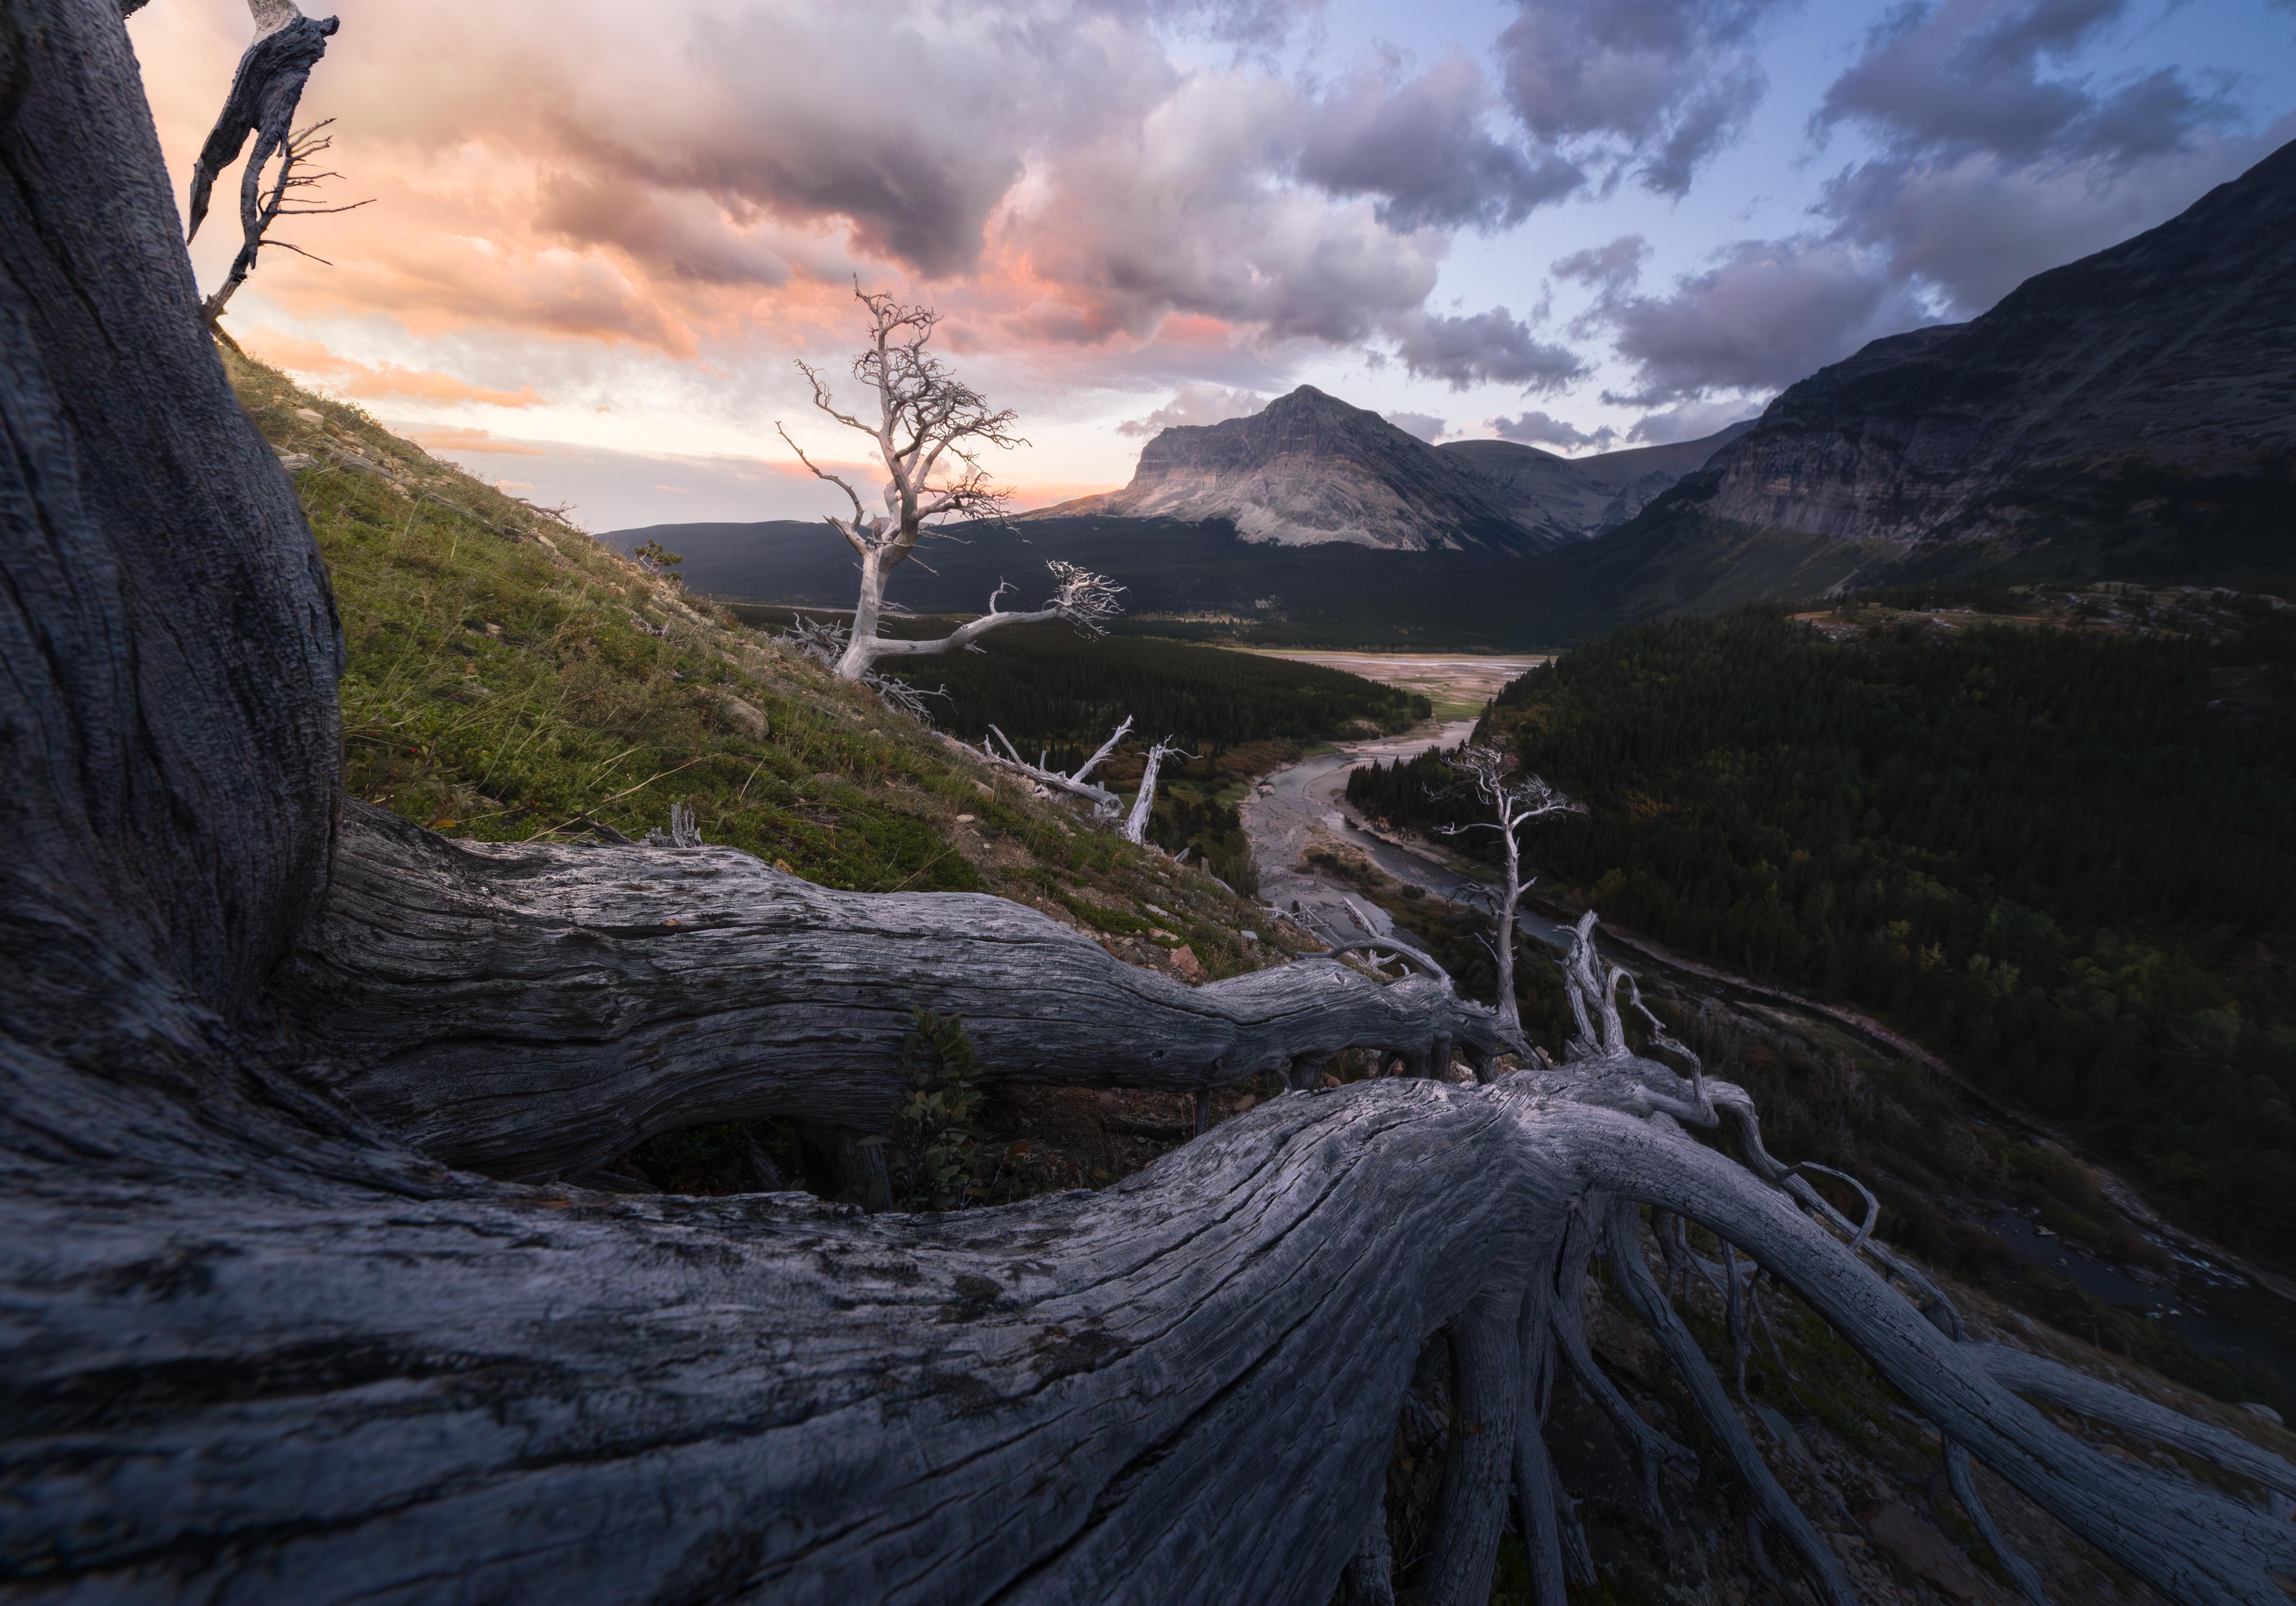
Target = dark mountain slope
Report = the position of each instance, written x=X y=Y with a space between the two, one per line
x=2130 y=413
x=1574 y=497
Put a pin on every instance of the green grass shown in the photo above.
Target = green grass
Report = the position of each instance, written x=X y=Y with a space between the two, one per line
x=509 y=678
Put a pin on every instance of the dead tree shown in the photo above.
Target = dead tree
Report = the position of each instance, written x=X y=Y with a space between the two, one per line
x=1515 y=801
x=263 y=1343
x=1075 y=783
x=264 y=91
x=930 y=430
x=284 y=200
x=1144 y=801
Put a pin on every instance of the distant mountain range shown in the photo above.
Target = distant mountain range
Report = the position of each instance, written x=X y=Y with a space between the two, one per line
x=2131 y=415
x=1308 y=469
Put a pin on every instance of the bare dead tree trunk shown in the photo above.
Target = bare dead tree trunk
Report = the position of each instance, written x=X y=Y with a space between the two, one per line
x=258 y=1346
x=258 y=212
x=1514 y=803
x=1144 y=801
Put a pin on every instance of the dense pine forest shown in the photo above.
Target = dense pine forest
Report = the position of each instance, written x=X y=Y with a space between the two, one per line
x=2065 y=858
x=1045 y=685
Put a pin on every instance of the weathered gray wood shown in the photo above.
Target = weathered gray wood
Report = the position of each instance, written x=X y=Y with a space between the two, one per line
x=534 y=1010
x=1486 y=1385
x=1767 y=1500
x=2044 y=1379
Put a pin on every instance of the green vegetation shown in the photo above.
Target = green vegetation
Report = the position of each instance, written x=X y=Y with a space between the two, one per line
x=1237 y=714
x=509 y=678
x=932 y=1152
x=2064 y=859
x=1046 y=686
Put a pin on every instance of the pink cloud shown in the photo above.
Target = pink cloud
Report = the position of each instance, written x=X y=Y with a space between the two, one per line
x=456 y=440
x=371 y=383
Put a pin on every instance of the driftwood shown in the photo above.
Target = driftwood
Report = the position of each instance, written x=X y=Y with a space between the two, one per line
x=1076 y=783
x=258 y=1345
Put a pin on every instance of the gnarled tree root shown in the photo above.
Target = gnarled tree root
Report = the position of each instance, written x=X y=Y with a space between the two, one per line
x=534 y=1010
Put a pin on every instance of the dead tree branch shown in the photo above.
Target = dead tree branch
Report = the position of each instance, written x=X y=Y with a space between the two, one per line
x=1485 y=774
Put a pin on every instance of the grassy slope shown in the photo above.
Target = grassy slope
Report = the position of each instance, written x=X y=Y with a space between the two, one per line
x=511 y=679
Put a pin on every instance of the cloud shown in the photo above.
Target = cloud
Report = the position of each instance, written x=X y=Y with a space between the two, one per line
x=1486 y=348
x=1772 y=312
x=1962 y=76
x=1690 y=421
x=1975 y=228
x=1610 y=268
x=1074 y=175
x=507 y=485
x=363 y=381
x=1421 y=147
x=2001 y=157
x=1657 y=85
x=436 y=438
x=1192 y=212
x=1541 y=429
x=1426 y=426
x=675 y=490
x=1195 y=404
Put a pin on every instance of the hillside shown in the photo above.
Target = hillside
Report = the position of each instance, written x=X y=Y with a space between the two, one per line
x=1192 y=579
x=2052 y=844
x=2131 y=415
x=511 y=678
x=1577 y=497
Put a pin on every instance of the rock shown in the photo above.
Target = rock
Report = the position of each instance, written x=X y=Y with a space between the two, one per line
x=309 y=417
x=1184 y=961
x=745 y=717
x=1782 y=1431
x=294 y=463
x=2262 y=1412
x=1899 y=1528
x=1309 y=469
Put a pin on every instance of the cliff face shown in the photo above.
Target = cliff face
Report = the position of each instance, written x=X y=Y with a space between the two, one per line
x=1573 y=498
x=2142 y=392
x=1309 y=469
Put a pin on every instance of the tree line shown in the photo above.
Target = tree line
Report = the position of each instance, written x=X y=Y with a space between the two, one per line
x=2064 y=859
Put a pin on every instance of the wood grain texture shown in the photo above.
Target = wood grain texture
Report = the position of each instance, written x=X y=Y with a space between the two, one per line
x=536 y=1010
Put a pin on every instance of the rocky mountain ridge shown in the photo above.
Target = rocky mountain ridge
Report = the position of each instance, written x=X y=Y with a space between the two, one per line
x=1309 y=469
x=2135 y=409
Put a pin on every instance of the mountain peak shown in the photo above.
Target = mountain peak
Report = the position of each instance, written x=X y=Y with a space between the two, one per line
x=1309 y=469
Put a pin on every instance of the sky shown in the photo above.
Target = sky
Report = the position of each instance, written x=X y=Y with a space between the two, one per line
x=603 y=235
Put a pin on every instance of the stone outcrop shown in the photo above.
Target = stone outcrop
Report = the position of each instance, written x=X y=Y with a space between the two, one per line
x=1309 y=469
